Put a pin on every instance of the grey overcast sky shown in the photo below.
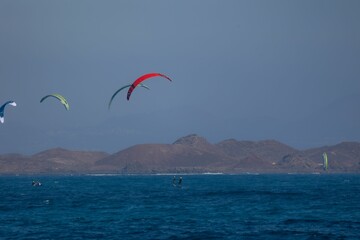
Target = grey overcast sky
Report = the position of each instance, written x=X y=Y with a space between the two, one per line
x=250 y=70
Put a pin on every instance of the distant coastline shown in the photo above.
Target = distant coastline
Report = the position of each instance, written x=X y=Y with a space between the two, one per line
x=191 y=154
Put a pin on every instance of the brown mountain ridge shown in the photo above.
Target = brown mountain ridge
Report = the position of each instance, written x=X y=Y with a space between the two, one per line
x=190 y=154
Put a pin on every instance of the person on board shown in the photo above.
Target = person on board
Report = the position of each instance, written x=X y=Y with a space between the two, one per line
x=174 y=181
x=180 y=182
x=36 y=183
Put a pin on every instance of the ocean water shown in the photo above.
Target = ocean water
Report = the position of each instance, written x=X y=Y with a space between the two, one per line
x=205 y=207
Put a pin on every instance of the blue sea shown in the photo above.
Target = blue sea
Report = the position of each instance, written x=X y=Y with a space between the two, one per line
x=203 y=207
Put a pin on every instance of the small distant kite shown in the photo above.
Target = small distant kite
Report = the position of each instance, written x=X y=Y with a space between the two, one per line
x=126 y=86
x=143 y=78
x=58 y=97
x=2 y=109
x=326 y=163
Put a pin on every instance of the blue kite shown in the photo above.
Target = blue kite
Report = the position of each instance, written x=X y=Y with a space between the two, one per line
x=2 y=109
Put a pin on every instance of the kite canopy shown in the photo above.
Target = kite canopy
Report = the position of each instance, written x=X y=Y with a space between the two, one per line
x=122 y=88
x=326 y=163
x=2 y=109
x=143 y=78
x=59 y=97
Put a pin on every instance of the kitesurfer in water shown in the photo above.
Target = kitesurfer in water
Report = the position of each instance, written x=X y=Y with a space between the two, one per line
x=36 y=183
x=180 y=182
x=174 y=181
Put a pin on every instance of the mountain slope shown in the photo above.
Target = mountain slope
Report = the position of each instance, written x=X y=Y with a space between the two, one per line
x=190 y=154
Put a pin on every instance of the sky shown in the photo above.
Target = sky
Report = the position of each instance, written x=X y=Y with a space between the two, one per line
x=287 y=70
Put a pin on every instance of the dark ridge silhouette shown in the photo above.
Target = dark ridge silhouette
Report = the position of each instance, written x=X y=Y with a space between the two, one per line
x=190 y=154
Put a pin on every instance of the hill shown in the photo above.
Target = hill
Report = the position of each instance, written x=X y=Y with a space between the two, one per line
x=55 y=160
x=190 y=154
x=193 y=153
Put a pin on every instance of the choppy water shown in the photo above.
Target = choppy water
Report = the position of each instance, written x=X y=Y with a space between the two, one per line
x=206 y=207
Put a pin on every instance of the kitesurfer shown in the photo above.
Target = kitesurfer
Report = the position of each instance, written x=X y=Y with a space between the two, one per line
x=174 y=181
x=180 y=182
x=36 y=183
